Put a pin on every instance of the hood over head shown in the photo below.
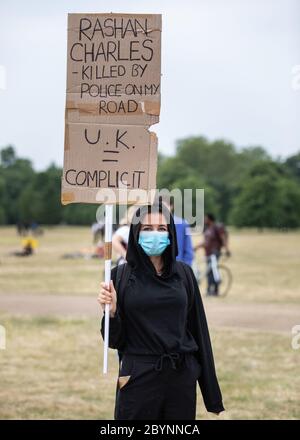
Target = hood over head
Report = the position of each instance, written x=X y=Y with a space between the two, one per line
x=136 y=256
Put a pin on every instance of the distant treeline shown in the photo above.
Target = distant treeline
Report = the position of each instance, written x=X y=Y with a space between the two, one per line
x=241 y=187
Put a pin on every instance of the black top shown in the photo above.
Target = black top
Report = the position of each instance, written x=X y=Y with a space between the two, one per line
x=154 y=317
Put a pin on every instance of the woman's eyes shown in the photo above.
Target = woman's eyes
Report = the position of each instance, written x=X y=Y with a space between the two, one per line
x=161 y=229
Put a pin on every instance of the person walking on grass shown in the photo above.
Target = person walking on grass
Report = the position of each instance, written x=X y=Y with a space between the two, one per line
x=157 y=323
x=215 y=238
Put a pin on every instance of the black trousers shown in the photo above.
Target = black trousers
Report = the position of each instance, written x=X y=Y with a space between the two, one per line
x=157 y=387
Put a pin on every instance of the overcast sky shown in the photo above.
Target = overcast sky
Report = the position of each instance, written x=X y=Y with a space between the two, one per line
x=226 y=65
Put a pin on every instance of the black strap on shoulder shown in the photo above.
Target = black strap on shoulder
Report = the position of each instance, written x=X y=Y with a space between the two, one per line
x=123 y=274
x=186 y=276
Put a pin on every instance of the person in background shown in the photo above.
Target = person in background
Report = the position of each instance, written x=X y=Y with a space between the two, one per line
x=215 y=237
x=23 y=228
x=184 y=241
x=121 y=236
x=29 y=244
x=98 y=231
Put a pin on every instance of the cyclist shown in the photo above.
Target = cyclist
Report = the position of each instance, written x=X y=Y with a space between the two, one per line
x=215 y=237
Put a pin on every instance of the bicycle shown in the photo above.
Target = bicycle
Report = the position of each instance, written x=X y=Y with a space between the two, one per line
x=221 y=273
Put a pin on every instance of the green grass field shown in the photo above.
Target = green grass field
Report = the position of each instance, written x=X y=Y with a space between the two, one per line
x=265 y=265
x=52 y=367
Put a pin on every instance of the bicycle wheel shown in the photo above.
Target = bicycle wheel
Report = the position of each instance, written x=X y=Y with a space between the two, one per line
x=226 y=280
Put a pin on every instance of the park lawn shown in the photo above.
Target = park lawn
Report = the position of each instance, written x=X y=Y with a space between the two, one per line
x=47 y=272
x=265 y=265
x=52 y=369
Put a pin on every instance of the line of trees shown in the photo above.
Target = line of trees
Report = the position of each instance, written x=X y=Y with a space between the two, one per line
x=242 y=187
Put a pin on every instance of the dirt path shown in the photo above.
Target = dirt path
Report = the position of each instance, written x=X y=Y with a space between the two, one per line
x=263 y=317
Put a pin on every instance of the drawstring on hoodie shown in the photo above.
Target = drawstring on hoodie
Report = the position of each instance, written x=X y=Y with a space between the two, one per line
x=171 y=356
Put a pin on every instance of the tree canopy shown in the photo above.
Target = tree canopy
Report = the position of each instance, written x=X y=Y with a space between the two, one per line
x=243 y=187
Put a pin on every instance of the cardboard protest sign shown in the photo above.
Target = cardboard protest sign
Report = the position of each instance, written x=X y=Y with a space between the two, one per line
x=113 y=96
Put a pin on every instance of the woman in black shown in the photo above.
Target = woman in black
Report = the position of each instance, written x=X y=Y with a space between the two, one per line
x=158 y=325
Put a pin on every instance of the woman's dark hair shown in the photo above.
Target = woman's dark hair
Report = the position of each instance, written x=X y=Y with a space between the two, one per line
x=135 y=255
x=156 y=207
x=211 y=217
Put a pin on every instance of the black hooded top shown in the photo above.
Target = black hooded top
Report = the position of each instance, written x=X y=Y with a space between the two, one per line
x=154 y=317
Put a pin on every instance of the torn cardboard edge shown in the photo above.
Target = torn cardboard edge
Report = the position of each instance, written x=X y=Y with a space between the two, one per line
x=145 y=107
x=108 y=196
x=67 y=136
x=70 y=126
x=152 y=158
x=76 y=117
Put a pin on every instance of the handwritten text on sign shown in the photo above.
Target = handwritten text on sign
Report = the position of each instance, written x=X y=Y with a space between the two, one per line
x=113 y=96
x=110 y=148
x=114 y=66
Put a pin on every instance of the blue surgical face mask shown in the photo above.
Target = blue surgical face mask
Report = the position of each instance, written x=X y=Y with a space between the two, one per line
x=154 y=242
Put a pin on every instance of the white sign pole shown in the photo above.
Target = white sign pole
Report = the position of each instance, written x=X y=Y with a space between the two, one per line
x=108 y=253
